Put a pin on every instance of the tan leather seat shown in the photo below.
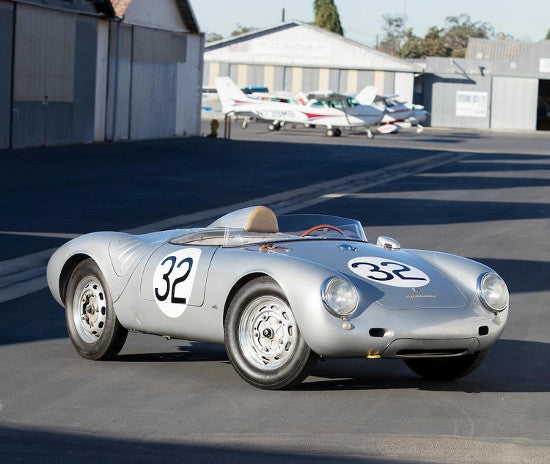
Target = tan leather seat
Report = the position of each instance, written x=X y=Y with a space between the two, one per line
x=262 y=219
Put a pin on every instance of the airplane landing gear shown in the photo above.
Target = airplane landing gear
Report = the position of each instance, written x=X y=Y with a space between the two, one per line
x=419 y=129
x=244 y=124
x=274 y=126
x=334 y=132
x=370 y=134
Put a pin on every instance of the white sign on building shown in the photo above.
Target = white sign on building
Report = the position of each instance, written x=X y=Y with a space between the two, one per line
x=471 y=104
x=544 y=65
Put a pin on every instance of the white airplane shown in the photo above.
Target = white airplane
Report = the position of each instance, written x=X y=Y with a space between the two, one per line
x=332 y=110
x=396 y=112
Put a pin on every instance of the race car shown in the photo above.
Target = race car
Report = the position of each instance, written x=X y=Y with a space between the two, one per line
x=280 y=293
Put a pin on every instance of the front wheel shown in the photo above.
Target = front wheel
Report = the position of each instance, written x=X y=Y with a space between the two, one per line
x=262 y=338
x=91 y=321
x=447 y=368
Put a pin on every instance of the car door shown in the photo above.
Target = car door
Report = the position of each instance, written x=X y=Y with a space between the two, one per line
x=172 y=284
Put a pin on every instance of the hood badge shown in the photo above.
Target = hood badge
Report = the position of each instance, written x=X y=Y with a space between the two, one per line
x=346 y=247
x=416 y=294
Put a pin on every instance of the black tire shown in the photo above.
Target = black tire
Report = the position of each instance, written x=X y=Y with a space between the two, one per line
x=446 y=369
x=91 y=320
x=260 y=306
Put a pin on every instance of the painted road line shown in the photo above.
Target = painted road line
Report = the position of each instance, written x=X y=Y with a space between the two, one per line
x=24 y=275
x=39 y=234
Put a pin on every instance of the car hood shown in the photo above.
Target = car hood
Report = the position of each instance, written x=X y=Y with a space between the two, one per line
x=396 y=279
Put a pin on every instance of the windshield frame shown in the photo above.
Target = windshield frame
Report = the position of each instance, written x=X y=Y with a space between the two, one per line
x=291 y=228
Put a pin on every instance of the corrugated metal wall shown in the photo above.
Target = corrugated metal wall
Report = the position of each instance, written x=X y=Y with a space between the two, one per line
x=84 y=79
x=441 y=100
x=155 y=59
x=44 y=65
x=6 y=50
x=118 y=89
x=295 y=78
x=189 y=91
x=514 y=103
x=70 y=70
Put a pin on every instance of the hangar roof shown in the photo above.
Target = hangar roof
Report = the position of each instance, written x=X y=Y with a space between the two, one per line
x=495 y=50
x=118 y=8
x=295 y=43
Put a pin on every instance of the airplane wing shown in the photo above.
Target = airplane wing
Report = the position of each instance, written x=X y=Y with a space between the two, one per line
x=367 y=95
x=325 y=95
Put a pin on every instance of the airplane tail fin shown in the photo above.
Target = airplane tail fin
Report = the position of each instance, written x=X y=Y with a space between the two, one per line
x=367 y=95
x=229 y=93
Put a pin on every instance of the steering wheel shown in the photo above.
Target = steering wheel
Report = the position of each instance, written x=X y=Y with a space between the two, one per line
x=322 y=226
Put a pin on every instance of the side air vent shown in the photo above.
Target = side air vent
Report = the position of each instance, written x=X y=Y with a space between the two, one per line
x=430 y=353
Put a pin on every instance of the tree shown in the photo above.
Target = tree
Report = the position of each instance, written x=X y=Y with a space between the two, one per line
x=395 y=34
x=326 y=16
x=213 y=37
x=460 y=29
x=434 y=44
x=243 y=30
x=548 y=35
x=413 y=46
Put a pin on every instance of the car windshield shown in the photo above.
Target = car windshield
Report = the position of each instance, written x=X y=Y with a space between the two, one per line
x=291 y=227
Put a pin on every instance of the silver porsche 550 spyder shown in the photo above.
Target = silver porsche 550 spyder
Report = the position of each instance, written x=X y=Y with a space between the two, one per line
x=281 y=293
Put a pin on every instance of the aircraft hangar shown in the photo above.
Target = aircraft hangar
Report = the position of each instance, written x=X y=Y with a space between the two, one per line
x=296 y=56
x=80 y=71
x=489 y=90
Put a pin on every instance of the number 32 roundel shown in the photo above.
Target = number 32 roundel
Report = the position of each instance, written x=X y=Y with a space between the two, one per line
x=173 y=280
x=388 y=272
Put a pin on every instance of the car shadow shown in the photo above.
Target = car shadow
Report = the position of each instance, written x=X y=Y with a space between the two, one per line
x=194 y=352
x=511 y=366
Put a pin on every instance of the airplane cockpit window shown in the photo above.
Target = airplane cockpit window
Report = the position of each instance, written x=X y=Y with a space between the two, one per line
x=352 y=102
x=318 y=104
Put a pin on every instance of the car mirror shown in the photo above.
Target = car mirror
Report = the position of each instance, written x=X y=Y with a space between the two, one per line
x=388 y=243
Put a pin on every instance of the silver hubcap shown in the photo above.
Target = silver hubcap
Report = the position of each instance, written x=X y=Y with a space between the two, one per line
x=267 y=332
x=89 y=309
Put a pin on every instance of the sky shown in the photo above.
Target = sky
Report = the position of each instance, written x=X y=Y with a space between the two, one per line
x=362 y=19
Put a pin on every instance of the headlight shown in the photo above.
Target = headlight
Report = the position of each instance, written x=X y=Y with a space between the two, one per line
x=339 y=296
x=492 y=291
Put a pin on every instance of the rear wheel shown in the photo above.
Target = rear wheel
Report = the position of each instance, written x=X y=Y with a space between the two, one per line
x=262 y=338
x=91 y=321
x=447 y=368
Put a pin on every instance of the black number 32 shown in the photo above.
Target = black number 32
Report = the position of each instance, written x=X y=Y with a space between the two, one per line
x=171 y=286
x=382 y=275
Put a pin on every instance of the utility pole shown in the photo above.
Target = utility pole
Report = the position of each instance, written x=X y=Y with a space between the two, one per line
x=283 y=16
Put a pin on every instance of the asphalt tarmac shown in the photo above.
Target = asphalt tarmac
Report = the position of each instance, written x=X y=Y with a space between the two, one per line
x=481 y=195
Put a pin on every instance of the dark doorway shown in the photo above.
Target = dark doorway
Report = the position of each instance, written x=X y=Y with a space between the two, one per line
x=543 y=106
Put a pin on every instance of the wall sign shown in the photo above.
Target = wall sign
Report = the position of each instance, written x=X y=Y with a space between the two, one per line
x=544 y=65
x=471 y=104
